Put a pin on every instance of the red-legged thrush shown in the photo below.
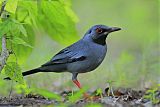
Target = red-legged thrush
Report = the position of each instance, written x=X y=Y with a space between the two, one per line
x=83 y=56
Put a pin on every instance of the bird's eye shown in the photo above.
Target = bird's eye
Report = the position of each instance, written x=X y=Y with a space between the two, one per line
x=99 y=30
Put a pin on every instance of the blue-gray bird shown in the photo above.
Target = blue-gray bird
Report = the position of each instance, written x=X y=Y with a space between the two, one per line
x=83 y=56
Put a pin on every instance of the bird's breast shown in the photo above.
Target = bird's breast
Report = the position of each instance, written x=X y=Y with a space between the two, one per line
x=97 y=56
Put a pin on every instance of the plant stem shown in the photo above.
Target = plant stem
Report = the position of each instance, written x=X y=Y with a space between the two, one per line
x=3 y=6
x=4 y=53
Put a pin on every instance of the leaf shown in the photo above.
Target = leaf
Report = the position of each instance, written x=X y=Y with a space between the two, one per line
x=19 y=27
x=22 y=14
x=4 y=27
x=22 y=52
x=11 y=6
x=69 y=11
x=77 y=95
x=59 y=25
x=22 y=88
x=9 y=27
x=27 y=12
x=99 y=91
x=22 y=29
x=46 y=93
x=17 y=40
x=13 y=70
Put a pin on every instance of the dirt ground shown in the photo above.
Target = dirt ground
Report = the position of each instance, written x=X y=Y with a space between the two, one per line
x=121 y=98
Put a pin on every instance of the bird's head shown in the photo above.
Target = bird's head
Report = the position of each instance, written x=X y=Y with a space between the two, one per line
x=99 y=33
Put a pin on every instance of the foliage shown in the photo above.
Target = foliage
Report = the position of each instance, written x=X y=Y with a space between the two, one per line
x=22 y=89
x=76 y=96
x=13 y=71
x=51 y=17
x=57 y=24
x=99 y=92
x=110 y=90
x=46 y=93
x=151 y=94
x=22 y=20
x=11 y=6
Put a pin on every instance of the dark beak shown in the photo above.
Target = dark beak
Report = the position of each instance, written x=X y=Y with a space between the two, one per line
x=113 y=29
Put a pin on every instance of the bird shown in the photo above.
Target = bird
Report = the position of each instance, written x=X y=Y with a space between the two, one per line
x=83 y=56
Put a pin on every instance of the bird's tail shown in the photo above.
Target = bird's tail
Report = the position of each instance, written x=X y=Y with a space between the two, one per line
x=33 y=71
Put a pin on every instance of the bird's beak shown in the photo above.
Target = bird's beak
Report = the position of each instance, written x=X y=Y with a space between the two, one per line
x=113 y=29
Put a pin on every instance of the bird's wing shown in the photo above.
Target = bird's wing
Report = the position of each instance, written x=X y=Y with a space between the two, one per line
x=66 y=55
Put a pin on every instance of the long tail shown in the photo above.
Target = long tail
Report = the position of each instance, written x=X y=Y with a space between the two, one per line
x=33 y=71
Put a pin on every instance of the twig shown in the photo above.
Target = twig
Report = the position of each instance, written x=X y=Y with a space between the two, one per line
x=5 y=53
x=3 y=6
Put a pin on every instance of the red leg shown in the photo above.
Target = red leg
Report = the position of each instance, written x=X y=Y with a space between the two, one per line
x=77 y=83
x=85 y=95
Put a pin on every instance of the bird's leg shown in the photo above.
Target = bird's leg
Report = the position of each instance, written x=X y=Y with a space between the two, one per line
x=77 y=83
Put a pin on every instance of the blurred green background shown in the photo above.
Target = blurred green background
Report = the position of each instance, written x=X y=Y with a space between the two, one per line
x=133 y=58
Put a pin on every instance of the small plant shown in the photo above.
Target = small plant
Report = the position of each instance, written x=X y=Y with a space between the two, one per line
x=22 y=88
x=46 y=94
x=151 y=95
x=76 y=96
x=99 y=92
x=110 y=90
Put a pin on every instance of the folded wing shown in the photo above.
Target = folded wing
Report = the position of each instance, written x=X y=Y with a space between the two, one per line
x=65 y=56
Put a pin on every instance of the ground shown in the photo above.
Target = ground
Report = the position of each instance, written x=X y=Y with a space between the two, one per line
x=122 y=98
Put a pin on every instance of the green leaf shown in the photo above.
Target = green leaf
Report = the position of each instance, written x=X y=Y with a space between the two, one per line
x=69 y=11
x=9 y=27
x=11 y=6
x=13 y=70
x=99 y=91
x=22 y=52
x=17 y=40
x=22 y=88
x=22 y=14
x=22 y=29
x=27 y=12
x=55 y=18
x=59 y=24
x=46 y=93
x=5 y=27
x=77 y=95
